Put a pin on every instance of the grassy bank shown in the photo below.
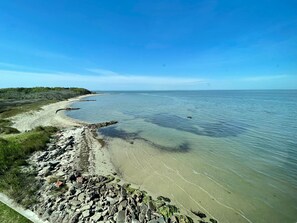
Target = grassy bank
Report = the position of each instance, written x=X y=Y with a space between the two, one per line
x=14 y=150
x=15 y=147
x=8 y=215
x=5 y=127
x=14 y=101
x=17 y=100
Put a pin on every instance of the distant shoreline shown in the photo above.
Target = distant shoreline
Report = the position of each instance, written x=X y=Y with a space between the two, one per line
x=47 y=116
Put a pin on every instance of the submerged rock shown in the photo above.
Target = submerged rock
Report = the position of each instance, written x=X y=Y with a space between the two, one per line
x=199 y=214
x=184 y=219
x=70 y=196
x=166 y=199
x=168 y=210
x=159 y=203
x=213 y=220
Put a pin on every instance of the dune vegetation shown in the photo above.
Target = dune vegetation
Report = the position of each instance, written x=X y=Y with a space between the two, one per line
x=14 y=101
x=17 y=100
x=8 y=215
x=15 y=147
x=15 y=180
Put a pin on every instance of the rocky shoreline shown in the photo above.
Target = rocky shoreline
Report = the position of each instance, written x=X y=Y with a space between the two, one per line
x=71 y=190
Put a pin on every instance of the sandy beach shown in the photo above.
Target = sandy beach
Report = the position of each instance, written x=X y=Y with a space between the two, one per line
x=47 y=116
x=99 y=158
x=87 y=155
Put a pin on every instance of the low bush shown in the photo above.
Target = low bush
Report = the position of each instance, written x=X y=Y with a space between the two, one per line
x=17 y=100
x=5 y=127
x=8 y=215
x=14 y=150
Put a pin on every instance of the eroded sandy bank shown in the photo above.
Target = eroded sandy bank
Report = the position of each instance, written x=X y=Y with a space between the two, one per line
x=47 y=116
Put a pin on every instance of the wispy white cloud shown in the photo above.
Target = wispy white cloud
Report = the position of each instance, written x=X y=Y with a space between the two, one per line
x=4 y=65
x=108 y=81
x=50 y=55
x=264 y=78
x=101 y=79
x=37 y=52
x=101 y=71
x=111 y=76
x=8 y=65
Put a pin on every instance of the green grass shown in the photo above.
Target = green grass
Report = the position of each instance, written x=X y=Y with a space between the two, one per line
x=8 y=215
x=41 y=93
x=14 y=150
x=17 y=100
x=5 y=127
x=14 y=101
x=15 y=108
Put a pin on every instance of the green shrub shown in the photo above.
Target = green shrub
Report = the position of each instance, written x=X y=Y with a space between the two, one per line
x=8 y=215
x=8 y=130
x=14 y=150
x=41 y=93
x=17 y=100
x=5 y=127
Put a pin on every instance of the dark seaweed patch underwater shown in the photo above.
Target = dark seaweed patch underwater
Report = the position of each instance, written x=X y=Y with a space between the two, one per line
x=217 y=129
x=245 y=140
x=114 y=132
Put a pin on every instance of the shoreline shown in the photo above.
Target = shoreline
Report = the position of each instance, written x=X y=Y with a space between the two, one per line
x=89 y=149
x=46 y=116
x=99 y=158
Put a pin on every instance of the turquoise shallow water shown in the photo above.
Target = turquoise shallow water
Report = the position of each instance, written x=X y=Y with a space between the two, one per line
x=230 y=153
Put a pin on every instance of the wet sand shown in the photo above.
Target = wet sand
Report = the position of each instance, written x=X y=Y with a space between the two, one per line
x=100 y=162
x=98 y=157
x=165 y=173
x=146 y=167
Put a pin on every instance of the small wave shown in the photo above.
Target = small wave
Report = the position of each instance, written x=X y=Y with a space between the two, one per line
x=212 y=197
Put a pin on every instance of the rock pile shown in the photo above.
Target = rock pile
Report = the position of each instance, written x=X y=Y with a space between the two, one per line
x=69 y=195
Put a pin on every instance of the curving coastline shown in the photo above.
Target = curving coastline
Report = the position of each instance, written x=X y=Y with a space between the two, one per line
x=76 y=164
x=47 y=116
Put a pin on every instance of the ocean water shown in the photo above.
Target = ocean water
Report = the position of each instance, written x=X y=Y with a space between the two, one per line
x=230 y=154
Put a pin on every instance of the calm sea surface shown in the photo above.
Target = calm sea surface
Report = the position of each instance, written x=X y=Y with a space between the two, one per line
x=230 y=154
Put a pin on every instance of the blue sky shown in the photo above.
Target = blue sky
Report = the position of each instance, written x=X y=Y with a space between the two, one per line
x=149 y=45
